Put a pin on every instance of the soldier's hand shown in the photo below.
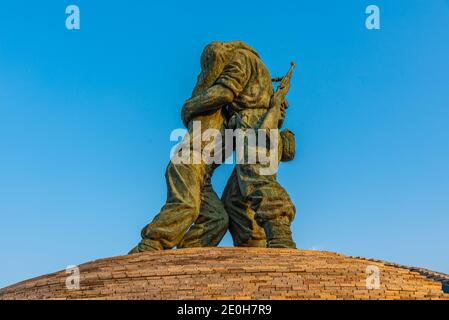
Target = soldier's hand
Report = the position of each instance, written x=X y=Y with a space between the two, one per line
x=284 y=106
x=276 y=102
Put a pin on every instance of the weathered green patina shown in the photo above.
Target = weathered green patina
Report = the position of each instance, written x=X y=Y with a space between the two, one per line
x=235 y=91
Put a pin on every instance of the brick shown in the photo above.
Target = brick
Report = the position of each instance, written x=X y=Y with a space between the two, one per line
x=234 y=273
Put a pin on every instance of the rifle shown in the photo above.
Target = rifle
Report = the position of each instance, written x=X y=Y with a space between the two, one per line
x=273 y=118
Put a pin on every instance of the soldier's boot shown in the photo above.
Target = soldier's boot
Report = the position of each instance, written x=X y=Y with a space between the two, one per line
x=252 y=243
x=146 y=245
x=279 y=235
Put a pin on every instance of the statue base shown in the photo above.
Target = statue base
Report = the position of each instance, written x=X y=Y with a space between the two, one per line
x=236 y=273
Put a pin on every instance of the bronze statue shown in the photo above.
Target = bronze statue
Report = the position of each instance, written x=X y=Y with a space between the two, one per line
x=234 y=91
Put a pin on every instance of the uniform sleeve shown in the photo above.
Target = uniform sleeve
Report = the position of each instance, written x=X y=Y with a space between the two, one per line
x=236 y=73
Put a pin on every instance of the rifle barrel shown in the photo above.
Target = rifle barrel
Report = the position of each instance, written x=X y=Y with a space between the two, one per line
x=279 y=79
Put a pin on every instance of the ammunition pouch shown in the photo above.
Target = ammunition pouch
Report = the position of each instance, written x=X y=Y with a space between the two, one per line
x=288 y=145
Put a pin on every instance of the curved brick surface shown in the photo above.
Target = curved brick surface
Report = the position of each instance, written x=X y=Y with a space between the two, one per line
x=232 y=273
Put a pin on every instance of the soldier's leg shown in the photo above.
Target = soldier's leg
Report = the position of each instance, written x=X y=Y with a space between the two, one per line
x=243 y=227
x=211 y=225
x=184 y=183
x=273 y=206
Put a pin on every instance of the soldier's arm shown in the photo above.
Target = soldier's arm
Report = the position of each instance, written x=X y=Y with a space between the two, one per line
x=212 y=99
x=230 y=83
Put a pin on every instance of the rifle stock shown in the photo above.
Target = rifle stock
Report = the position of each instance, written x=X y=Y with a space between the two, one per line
x=273 y=118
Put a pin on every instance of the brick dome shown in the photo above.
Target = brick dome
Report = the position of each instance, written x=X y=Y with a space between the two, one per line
x=234 y=273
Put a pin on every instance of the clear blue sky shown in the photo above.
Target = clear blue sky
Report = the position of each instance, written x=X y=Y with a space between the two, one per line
x=85 y=118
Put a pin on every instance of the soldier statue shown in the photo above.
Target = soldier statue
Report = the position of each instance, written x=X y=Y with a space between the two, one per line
x=234 y=91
